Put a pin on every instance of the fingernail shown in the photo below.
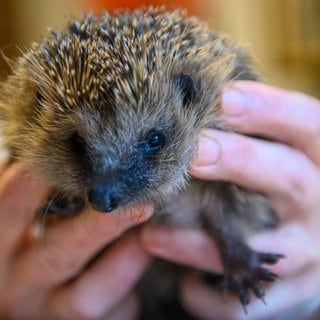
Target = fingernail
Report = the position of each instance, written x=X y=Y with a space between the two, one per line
x=141 y=212
x=208 y=151
x=233 y=102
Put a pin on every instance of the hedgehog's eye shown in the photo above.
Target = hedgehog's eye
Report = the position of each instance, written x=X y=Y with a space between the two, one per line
x=153 y=142
x=187 y=85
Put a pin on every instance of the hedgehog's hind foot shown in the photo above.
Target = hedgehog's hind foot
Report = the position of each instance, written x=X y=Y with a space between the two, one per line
x=247 y=275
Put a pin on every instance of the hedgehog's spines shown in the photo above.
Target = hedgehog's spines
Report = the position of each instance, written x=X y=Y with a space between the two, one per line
x=115 y=66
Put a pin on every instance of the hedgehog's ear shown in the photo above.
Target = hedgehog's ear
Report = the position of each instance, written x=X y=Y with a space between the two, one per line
x=187 y=86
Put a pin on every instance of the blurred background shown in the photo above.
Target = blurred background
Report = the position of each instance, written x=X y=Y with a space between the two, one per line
x=284 y=35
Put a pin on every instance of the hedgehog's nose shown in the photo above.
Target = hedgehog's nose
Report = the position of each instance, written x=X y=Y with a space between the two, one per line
x=103 y=199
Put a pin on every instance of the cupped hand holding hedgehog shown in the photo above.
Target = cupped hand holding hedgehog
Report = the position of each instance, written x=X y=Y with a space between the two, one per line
x=287 y=171
x=108 y=112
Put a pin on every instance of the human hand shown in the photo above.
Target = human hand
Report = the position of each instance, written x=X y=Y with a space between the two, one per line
x=287 y=170
x=48 y=277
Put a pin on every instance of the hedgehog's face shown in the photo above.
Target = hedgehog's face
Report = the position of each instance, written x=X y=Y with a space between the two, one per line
x=128 y=152
x=132 y=175
x=141 y=152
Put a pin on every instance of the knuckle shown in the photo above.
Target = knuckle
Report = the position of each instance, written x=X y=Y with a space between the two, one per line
x=244 y=156
x=298 y=183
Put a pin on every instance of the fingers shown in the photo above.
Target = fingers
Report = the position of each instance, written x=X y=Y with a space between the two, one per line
x=299 y=273
x=68 y=246
x=299 y=281
x=21 y=194
x=206 y=303
x=294 y=241
x=60 y=254
x=184 y=246
x=193 y=247
x=104 y=285
x=290 y=117
x=196 y=296
x=274 y=169
x=288 y=174
x=286 y=169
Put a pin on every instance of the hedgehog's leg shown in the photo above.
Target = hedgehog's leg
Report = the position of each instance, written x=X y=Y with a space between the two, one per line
x=243 y=270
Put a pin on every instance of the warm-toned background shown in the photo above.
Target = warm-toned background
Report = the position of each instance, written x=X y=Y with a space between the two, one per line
x=283 y=34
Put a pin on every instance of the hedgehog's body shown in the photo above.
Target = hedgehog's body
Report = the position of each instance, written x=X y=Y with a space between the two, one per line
x=109 y=112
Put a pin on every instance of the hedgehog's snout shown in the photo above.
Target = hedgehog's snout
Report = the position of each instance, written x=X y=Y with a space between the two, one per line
x=111 y=189
x=104 y=198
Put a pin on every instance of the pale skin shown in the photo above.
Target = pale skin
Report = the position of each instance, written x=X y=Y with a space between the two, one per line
x=46 y=275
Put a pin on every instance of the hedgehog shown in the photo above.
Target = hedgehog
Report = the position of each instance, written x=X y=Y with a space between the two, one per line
x=108 y=111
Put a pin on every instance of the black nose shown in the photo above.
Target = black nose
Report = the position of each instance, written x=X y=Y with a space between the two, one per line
x=103 y=199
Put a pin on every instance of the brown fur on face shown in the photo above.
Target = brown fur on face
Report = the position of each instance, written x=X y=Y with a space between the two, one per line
x=109 y=111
